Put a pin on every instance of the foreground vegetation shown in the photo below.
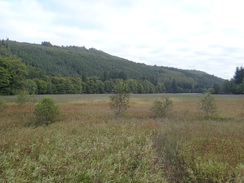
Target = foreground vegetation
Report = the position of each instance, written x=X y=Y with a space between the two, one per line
x=90 y=144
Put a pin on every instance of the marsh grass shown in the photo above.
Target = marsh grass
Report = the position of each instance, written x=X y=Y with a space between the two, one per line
x=3 y=106
x=90 y=145
x=99 y=152
x=201 y=151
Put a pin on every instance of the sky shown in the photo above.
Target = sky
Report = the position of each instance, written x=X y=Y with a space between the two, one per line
x=206 y=35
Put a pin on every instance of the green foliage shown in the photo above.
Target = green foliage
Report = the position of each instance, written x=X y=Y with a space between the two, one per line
x=161 y=107
x=46 y=43
x=41 y=86
x=12 y=71
x=64 y=85
x=94 y=85
x=207 y=105
x=22 y=98
x=239 y=75
x=5 y=75
x=116 y=151
x=119 y=101
x=46 y=112
x=215 y=89
x=235 y=85
x=46 y=61
x=31 y=86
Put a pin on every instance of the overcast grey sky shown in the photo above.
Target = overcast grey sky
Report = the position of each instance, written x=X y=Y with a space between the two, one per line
x=206 y=35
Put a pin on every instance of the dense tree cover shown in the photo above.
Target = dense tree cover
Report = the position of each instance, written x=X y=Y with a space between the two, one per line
x=49 y=69
x=12 y=72
x=239 y=75
x=235 y=85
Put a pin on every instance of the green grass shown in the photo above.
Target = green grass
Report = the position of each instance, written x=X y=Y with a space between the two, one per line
x=90 y=144
x=82 y=151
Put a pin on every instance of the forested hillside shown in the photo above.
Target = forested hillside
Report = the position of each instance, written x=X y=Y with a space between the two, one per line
x=54 y=69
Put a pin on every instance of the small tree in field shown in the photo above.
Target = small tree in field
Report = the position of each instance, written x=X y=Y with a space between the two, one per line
x=22 y=98
x=161 y=107
x=46 y=112
x=207 y=104
x=119 y=101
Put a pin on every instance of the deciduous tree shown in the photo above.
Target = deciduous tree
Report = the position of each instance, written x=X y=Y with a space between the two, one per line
x=119 y=101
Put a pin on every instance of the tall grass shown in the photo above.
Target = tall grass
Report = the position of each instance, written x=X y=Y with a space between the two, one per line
x=90 y=145
x=202 y=151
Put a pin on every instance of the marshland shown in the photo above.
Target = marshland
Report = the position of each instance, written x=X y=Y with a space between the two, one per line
x=88 y=143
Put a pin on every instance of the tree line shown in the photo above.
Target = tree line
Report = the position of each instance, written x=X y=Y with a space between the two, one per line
x=16 y=76
x=92 y=85
x=236 y=84
x=35 y=72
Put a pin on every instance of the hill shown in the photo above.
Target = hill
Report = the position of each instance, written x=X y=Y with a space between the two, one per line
x=47 y=62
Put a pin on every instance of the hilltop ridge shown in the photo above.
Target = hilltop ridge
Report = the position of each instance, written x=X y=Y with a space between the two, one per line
x=47 y=61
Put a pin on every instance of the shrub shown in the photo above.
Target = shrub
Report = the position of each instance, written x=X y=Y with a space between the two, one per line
x=46 y=112
x=119 y=101
x=22 y=98
x=207 y=105
x=161 y=107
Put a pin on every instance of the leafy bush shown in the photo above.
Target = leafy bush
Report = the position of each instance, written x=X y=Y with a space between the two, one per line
x=207 y=105
x=119 y=101
x=161 y=107
x=46 y=112
x=22 y=98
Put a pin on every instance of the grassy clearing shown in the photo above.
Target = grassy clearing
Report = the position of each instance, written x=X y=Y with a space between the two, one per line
x=89 y=144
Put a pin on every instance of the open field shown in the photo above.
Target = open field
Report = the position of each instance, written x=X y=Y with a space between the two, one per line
x=90 y=144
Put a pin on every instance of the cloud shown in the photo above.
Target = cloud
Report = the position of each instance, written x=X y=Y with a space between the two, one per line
x=25 y=19
x=203 y=35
